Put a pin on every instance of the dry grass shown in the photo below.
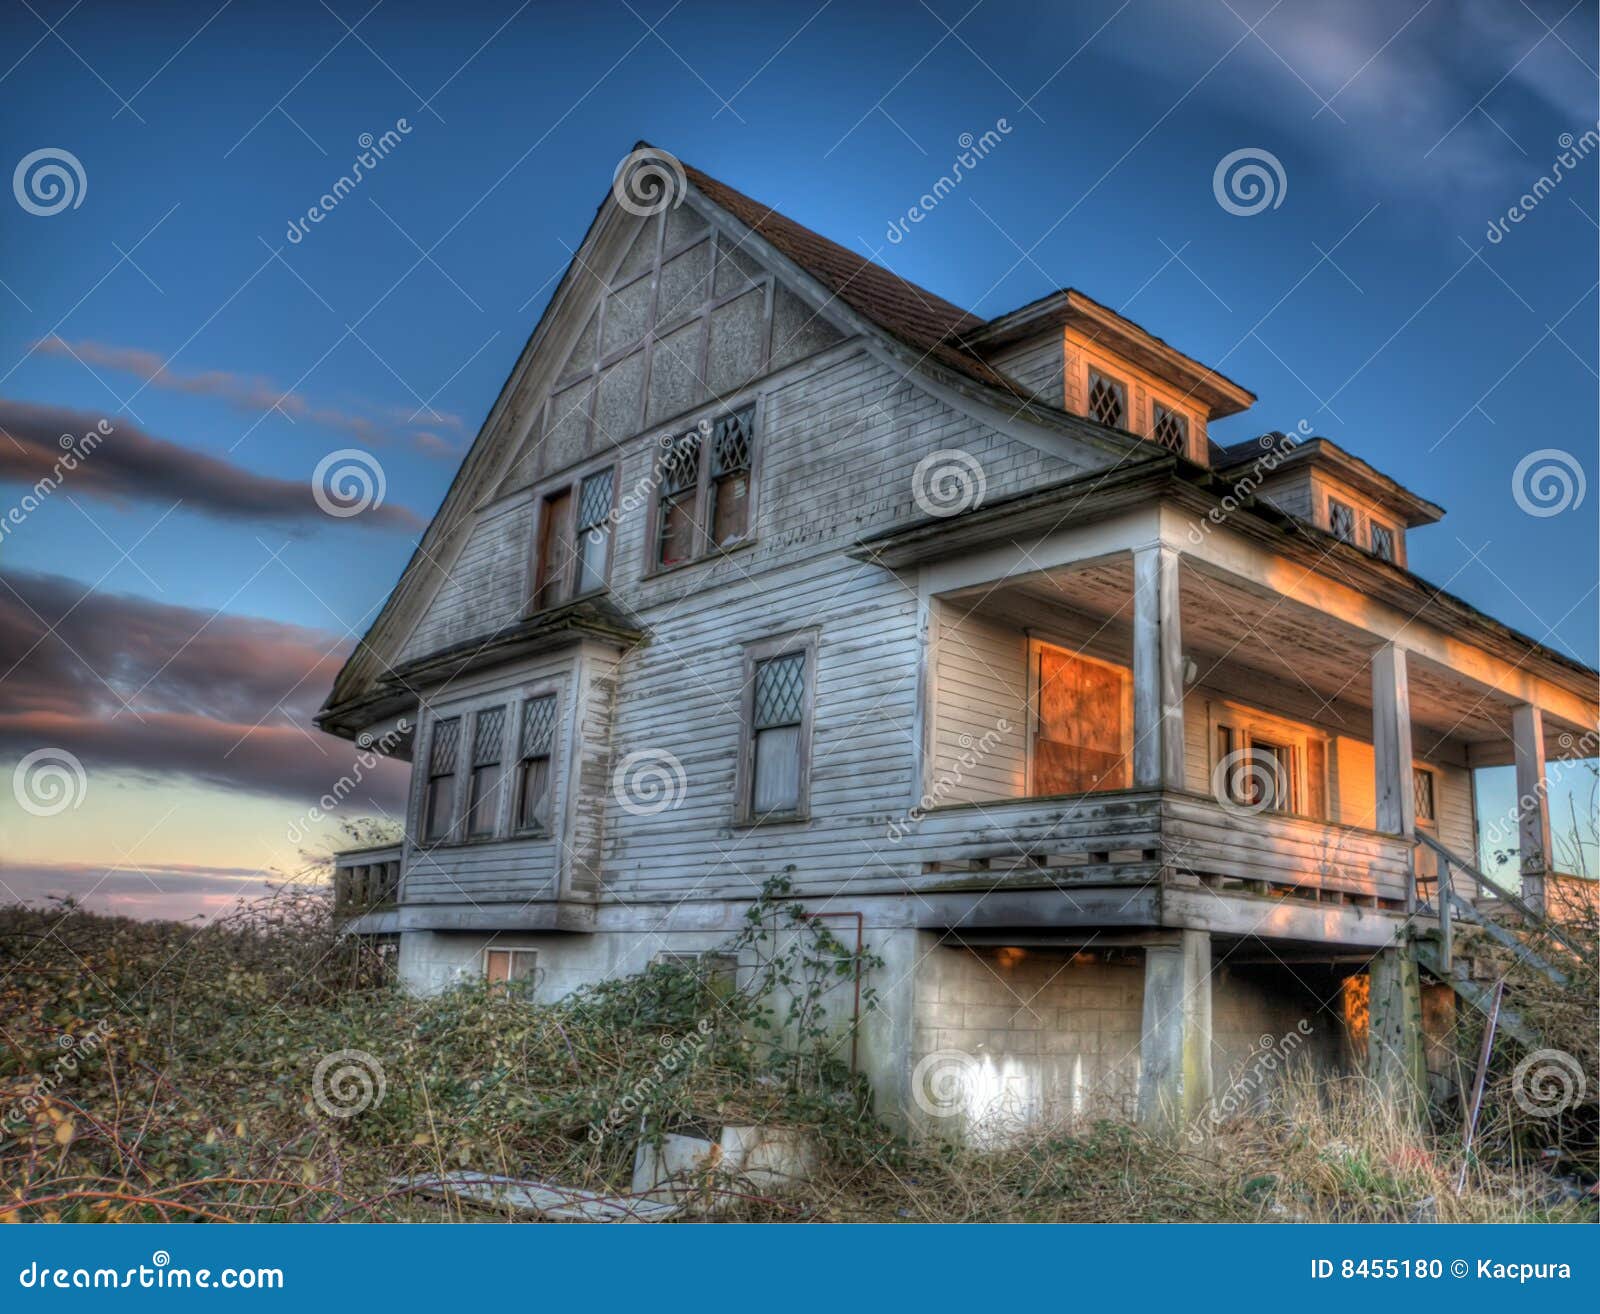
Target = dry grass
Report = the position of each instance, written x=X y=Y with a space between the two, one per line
x=199 y=1101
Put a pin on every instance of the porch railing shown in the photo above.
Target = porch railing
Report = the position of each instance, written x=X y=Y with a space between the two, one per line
x=366 y=879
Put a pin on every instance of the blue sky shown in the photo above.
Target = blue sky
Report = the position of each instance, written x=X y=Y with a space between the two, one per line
x=1369 y=303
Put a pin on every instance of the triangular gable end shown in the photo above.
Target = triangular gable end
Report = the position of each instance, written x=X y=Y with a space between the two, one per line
x=687 y=315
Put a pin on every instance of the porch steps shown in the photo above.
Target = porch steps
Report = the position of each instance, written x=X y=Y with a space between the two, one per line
x=1471 y=949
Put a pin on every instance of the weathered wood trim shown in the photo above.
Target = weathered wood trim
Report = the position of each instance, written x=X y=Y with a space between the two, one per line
x=1532 y=802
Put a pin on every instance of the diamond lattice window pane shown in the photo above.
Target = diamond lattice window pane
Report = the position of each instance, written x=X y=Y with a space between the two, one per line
x=731 y=443
x=780 y=690
x=1107 y=401
x=594 y=499
x=1171 y=430
x=442 y=757
x=1382 y=543
x=1422 y=788
x=1342 y=520
x=538 y=725
x=680 y=467
x=488 y=732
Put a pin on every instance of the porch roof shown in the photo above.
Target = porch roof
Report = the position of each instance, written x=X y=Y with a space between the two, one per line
x=1100 y=495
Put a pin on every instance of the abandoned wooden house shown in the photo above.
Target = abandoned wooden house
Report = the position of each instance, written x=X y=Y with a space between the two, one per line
x=1121 y=749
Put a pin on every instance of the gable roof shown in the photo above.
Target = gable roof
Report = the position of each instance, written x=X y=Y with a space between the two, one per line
x=912 y=315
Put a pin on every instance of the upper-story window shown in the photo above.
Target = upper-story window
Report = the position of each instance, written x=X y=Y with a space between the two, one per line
x=483 y=786
x=1381 y=539
x=438 y=804
x=1342 y=521
x=1169 y=429
x=703 y=503
x=775 y=758
x=575 y=539
x=1108 y=400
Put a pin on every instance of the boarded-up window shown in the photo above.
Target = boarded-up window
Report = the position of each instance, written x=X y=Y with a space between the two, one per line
x=438 y=803
x=535 y=745
x=1081 y=735
x=1317 y=778
x=483 y=788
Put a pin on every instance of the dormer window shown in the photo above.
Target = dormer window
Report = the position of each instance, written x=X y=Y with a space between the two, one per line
x=1108 y=401
x=1169 y=429
x=1381 y=539
x=1342 y=521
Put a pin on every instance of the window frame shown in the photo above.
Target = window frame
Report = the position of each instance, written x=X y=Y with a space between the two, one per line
x=1374 y=529
x=571 y=486
x=1354 y=540
x=1421 y=771
x=496 y=828
x=425 y=840
x=1185 y=427
x=756 y=652
x=705 y=549
x=1123 y=391
x=516 y=825
x=1246 y=725
x=531 y=982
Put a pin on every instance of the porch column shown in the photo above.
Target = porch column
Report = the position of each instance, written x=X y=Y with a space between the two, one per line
x=1391 y=742
x=1175 y=1034
x=1533 y=801
x=1157 y=670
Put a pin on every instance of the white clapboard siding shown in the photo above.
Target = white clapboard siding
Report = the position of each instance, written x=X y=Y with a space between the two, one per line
x=982 y=682
x=1038 y=364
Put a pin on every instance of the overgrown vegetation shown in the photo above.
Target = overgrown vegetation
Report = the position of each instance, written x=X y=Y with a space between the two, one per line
x=262 y=1068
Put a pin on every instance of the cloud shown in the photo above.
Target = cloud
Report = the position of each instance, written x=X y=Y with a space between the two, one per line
x=129 y=464
x=175 y=891
x=250 y=393
x=131 y=685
